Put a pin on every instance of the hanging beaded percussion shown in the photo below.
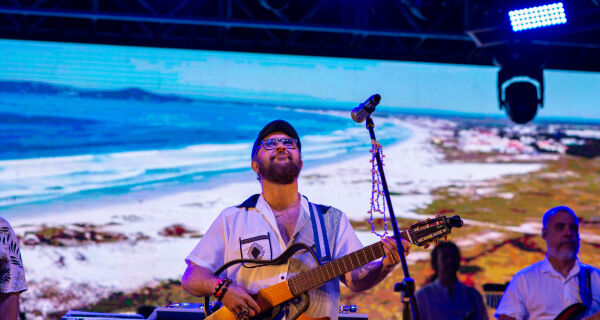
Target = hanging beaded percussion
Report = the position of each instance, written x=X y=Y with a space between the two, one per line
x=377 y=195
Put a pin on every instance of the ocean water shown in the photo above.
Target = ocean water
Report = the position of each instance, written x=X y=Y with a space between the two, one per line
x=57 y=147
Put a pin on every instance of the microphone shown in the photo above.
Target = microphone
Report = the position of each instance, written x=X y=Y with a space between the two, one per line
x=360 y=113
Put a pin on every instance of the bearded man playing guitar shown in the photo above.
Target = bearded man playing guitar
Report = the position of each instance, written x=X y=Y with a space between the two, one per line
x=263 y=227
x=558 y=287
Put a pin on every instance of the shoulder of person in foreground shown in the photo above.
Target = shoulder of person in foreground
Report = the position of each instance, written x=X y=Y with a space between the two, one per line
x=12 y=273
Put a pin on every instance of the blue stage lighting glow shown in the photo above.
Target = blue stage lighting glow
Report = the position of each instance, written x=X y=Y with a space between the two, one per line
x=536 y=17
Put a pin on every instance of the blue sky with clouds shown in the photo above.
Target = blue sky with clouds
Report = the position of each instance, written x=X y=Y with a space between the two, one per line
x=283 y=78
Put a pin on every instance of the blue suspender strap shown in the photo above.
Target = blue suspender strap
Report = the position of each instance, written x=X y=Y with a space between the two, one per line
x=324 y=231
x=320 y=235
x=585 y=285
x=315 y=232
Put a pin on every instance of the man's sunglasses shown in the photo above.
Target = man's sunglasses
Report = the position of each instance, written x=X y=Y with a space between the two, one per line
x=270 y=144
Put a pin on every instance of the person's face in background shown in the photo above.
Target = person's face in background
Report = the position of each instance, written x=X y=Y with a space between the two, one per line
x=562 y=236
x=448 y=262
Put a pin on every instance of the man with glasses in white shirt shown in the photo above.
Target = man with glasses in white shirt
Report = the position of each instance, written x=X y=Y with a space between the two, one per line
x=264 y=225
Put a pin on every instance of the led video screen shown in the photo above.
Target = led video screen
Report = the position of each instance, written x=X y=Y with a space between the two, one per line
x=115 y=160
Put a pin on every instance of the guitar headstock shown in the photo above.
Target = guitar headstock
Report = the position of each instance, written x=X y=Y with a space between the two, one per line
x=423 y=233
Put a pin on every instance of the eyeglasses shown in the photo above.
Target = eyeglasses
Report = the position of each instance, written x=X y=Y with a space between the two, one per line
x=270 y=144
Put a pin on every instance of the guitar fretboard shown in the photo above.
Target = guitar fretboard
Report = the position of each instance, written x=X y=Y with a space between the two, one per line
x=316 y=277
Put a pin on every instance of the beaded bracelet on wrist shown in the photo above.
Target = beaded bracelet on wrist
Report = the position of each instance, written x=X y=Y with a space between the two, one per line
x=221 y=292
x=219 y=286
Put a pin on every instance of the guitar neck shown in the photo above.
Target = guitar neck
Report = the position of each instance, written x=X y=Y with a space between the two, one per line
x=316 y=277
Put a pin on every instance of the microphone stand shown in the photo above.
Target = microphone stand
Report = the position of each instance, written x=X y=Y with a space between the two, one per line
x=407 y=286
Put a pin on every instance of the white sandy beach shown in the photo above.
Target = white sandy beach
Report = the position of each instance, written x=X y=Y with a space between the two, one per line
x=413 y=169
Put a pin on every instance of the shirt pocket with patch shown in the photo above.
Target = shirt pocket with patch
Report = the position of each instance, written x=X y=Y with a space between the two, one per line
x=256 y=246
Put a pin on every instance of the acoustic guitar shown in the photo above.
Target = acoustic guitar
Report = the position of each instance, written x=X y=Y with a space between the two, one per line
x=575 y=312
x=422 y=233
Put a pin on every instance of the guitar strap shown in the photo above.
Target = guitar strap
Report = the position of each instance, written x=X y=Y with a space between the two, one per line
x=585 y=285
x=320 y=233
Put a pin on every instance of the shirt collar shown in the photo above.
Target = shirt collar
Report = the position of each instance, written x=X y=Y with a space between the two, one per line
x=304 y=210
x=455 y=286
x=265 y=209
x=548 y=268
x=263 y=206
x=304 y=215
x=437 y=282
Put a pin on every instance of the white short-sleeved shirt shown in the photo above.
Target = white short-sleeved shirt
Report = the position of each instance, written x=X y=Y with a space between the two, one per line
x=541 y=292
x=12 y=274
x=241 y=233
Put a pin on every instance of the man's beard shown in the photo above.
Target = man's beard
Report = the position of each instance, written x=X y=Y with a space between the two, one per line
x=566 y=250
x=280 y=173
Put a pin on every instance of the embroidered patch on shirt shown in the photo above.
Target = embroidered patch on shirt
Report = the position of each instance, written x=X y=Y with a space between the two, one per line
x=256 y=251
x=256 y=247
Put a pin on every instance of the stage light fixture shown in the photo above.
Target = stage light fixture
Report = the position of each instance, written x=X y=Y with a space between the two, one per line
x=520 y=91
x=537 y=17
